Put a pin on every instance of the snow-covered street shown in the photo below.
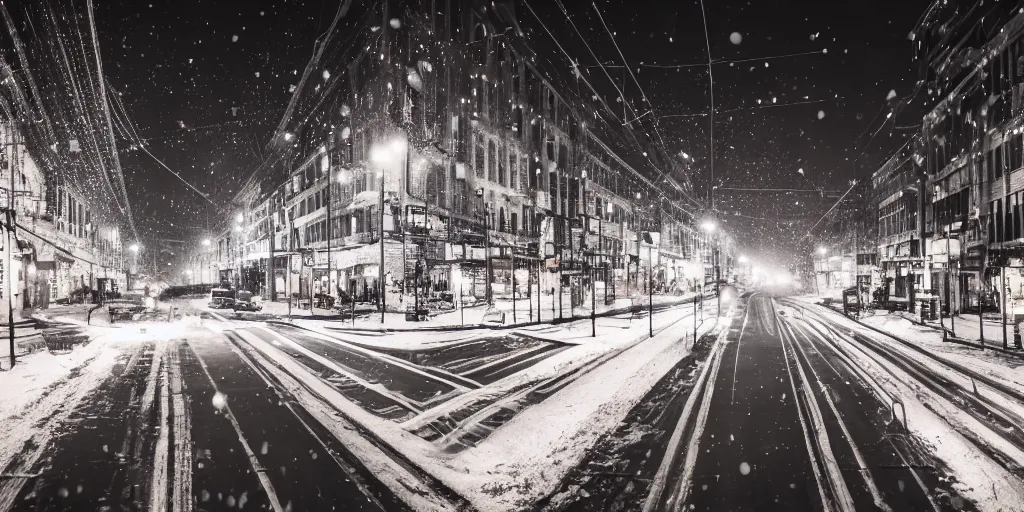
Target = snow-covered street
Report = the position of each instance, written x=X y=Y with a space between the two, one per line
x=533 y=417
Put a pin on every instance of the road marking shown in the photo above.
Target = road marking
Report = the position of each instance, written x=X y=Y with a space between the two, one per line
x=837 y=483
x=158 y=485
x=181 y=498
x=287 y=400
x=864 y=471
x=705 y=383
x=268 y=487
x=881 y=396
x=743 y=328
x=330 y=364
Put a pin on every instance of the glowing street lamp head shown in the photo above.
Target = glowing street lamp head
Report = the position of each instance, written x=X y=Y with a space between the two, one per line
x=378 y=155
x=134 y=248
x=206 y=242
x=743 y=258
x=822 y=251
x=708 y=226
x=288 y=136
x=239 y=218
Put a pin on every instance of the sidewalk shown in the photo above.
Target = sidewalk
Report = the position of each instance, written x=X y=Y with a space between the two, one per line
x=1004 y=366
x=501 y=313
x=964 y=326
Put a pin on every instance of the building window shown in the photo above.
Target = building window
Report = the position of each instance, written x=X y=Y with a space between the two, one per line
x=479 y=157
x=502 y=172
x=492 y=154
x=513 y=170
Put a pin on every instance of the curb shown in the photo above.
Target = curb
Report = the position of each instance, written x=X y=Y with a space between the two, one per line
x=948 y=339
x=469 y=327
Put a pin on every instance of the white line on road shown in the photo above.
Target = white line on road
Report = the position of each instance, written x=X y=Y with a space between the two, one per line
x=288 y=403
x=158 y=485
x=261 y=473
x=739 y=340
x=881 y=396
x=330 y=364
x=864 y=471
x=706 y=382
x=835 y=477
x=181 y=498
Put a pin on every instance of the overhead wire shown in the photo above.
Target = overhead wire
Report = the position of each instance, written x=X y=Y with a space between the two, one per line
x=594 y=90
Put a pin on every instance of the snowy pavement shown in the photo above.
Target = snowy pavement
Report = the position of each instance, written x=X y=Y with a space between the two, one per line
x=969 y=419
x=776 y=400
x=458 y=405
x=502 y=313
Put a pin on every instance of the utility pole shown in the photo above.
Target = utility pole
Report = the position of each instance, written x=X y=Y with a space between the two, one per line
x=381 y=234
x=330 y=227
x=12 y=242
x=271 y=275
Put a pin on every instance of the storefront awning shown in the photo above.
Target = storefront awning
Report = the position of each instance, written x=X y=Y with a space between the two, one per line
x=364 y=199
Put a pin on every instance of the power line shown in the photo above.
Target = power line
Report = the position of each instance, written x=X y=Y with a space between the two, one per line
x=816 y=191
x=711 y=112
x=772 y=105
x=840 y=200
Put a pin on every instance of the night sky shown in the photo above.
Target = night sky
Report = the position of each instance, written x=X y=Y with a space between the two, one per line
x=183 y=65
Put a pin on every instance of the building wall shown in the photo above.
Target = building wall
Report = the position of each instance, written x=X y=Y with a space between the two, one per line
x=464 y=128
x=63 y=247
x=972 y=148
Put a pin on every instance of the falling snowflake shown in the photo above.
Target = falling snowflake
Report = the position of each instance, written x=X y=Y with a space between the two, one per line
x=234 y=39
x=326 y=74
x=821 y=114
x=257 y=74
x=395 y=23
x=736 y=38
x=220 y=400
x=891 y=95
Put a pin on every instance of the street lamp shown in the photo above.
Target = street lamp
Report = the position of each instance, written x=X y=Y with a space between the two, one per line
x=383 y=155
x=822 y=251
x=709 y=226
x=134 y=248
x=206 y=242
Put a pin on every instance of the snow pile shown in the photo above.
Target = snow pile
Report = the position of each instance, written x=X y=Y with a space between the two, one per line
x=42 y=383
x=941 y=424
x=504 y=472
x=527 y=458
x=1007 y=369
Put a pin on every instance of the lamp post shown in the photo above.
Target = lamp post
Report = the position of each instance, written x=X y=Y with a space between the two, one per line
x=382 y=155
x=380 y=272
x=710 y=227
x=600 y=245
x=487 y=248
x=325 y=168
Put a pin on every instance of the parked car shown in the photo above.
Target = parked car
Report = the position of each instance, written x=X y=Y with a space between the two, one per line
x=221 y=298
x=126 y=307
x=246 y=301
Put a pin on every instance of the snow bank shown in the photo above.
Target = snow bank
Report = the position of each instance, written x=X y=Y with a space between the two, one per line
x=42 y=383
x=527 y=458
x=942 y=425
x=1001 y=367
